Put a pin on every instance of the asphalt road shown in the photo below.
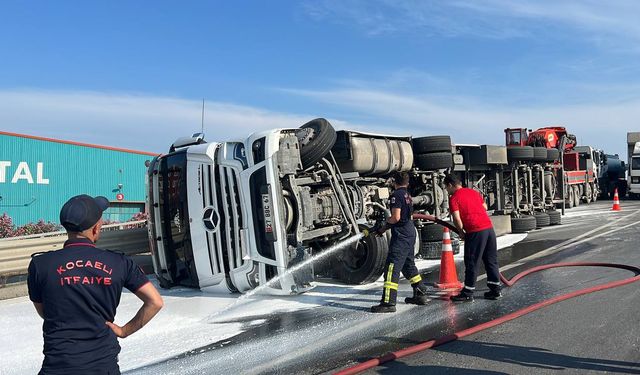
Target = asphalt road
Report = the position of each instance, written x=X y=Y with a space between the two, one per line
x=342 y=332
x=595 y=333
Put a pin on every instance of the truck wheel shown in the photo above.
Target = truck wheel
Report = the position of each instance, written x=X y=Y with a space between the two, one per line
x=576 y=196
x=520 y=153
x=594 y=193
x=588 y=194
x=555 y=217
x=431 y=232
x=436 y=160
x=542 y=219
x=438 y=143
x=570 y=200
x=523 y=224
x=433 y=249
x=540 y=154
x=416 y=245
x=364 y=262
x=316 y=139
x=553 y=154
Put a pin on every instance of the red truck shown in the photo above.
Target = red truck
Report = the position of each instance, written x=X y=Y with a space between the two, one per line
x=568 y=170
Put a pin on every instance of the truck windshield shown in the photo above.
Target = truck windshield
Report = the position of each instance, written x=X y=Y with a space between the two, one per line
x=172 y=191
x=635 y=162
x=514 y=138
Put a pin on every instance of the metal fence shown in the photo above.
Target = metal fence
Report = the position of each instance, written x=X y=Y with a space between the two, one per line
x=15 y=252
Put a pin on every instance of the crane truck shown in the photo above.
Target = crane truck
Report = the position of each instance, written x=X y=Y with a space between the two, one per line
x=562 y=173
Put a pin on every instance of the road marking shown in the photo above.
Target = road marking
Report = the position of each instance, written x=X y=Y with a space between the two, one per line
x=571 y=242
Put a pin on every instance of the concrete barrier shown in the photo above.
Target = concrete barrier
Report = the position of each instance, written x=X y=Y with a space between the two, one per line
x=15 y=253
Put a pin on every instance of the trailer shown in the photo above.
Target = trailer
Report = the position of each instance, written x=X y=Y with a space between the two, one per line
x=243 y=213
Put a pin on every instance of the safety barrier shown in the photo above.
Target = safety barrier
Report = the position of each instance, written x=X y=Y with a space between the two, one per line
x=15 y=253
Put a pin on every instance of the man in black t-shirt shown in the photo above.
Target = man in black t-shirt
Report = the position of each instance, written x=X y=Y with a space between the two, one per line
x=401 y=249
x=76 y=291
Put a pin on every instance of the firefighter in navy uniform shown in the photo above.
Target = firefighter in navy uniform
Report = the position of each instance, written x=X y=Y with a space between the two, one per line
x=76 y=291
x=401 y=247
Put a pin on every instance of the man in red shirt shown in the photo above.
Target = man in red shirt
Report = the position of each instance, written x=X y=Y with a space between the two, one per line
x=469 y=212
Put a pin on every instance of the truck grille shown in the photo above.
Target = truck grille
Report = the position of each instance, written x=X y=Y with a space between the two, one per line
x=231 y=219
x=220 y=190
x=213 y=239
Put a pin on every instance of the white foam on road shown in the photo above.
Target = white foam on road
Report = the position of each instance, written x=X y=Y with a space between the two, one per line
x=190 y=320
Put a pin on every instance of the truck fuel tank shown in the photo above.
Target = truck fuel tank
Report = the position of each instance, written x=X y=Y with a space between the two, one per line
x=372 y=155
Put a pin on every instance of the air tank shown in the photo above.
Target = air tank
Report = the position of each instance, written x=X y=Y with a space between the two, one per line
x=372 y=155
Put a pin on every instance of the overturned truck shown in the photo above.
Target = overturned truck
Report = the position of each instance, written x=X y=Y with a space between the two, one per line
x=242 y=213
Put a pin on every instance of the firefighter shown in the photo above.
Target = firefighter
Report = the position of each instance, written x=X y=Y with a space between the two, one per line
x=76 y=291
x=469 y=212
x=400 y=257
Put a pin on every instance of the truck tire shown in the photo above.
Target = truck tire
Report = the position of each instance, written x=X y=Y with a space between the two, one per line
x=433 y=249
x=553 y=154
x=425 y=145
x=519 y=153
x=555 y=217
x=431 y=232
x=576 y=196
x=316 y=139
x=588 y=193
x=416 y=245
x=542 y=219
x=368 y=263
x=570 y=200
x=523 y=224
x=540 y=154
x=594 y=193
x=434 y=161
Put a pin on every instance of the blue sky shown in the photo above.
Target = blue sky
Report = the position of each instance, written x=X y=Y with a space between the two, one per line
x=133 y=74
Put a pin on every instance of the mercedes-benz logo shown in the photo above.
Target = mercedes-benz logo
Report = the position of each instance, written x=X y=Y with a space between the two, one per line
x=211 y=219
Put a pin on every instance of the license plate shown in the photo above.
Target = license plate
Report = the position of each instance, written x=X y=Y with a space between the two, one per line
x=267 y=210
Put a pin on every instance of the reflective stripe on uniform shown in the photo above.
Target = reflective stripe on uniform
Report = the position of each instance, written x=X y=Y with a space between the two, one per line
x=387 y=291
x=493 y=282
x=415 y=279
x=390 y=285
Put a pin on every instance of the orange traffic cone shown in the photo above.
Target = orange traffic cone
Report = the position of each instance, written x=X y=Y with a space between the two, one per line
x=616 y=201
x=448 y=274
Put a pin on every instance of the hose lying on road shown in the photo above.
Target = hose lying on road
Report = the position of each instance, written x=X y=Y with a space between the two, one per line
x=508 y=282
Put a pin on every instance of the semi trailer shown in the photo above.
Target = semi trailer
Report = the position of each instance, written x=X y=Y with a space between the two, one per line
x=242 y=213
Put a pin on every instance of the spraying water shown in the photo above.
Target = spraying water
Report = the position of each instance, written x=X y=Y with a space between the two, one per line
x=323 y=254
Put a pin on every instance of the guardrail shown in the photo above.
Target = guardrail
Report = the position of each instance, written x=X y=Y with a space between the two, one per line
x=15 y=252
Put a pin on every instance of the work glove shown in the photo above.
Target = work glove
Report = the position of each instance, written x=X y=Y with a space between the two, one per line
x=380 y=228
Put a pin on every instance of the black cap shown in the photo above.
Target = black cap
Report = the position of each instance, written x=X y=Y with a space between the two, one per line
x=82 y=212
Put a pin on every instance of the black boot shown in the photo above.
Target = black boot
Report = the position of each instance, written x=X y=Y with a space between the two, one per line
x=419 y=295
x=464 y=296
x=383 y=308
x=493 y=293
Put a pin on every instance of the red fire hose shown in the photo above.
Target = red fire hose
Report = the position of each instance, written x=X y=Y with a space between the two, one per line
x=469 y=331
x=436 y=220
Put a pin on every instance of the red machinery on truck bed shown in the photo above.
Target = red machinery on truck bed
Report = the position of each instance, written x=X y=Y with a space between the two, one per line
x=571 y=170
